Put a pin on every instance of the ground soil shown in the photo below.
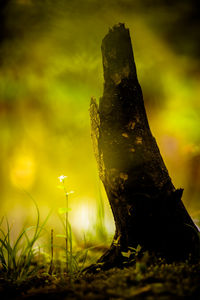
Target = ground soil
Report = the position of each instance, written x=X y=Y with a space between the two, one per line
x=141 y=281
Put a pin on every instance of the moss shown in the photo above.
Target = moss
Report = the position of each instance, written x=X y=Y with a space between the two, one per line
x=142 y=281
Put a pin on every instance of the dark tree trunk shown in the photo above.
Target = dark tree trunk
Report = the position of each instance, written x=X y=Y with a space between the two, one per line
x=146 y=206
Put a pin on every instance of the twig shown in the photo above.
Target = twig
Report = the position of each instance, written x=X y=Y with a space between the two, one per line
x=51 y=262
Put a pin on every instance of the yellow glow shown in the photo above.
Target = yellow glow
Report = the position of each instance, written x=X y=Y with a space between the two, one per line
x=46 y=81
x=22 y=170
x=83 y=216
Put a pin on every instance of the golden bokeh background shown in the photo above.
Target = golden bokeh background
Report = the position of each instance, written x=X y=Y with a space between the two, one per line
x=51 y=66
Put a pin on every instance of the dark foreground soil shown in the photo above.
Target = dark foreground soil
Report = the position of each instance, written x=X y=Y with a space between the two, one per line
x=158 y=281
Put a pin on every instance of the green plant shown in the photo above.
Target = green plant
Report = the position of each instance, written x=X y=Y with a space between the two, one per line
x=67 y=227
x=75 y=262
x=17 y=257
x=132 y=254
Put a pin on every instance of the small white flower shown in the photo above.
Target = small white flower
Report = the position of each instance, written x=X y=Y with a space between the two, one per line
x=71 y=192
x=62 y=178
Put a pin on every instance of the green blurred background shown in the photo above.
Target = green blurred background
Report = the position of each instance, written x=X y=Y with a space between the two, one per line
x=50 y=67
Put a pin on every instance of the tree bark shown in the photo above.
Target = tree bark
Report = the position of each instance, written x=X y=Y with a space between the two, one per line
x=147 y=208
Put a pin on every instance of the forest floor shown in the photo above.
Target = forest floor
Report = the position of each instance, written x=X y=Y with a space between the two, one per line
x=141 y=281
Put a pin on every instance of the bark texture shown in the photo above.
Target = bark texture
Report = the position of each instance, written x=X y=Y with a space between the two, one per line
x=147 y=208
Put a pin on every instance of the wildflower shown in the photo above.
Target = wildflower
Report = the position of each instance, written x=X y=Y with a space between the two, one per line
x=62 y=178
x=68 y=193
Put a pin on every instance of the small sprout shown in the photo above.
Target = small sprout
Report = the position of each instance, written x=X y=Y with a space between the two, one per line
x=62 y=178
x=132 y=150
x=138 y=249
x=127 y=254
x=124 y=134
x=133 y=249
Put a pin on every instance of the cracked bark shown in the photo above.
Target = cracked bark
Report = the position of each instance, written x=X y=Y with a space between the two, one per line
x=147 y=208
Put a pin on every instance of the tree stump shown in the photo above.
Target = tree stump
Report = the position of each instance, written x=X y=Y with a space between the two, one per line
x=147 y=208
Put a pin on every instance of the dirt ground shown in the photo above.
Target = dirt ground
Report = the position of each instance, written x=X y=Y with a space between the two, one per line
x=158 y=281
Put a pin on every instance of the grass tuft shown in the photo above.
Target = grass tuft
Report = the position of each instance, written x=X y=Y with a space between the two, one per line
x=16 y=258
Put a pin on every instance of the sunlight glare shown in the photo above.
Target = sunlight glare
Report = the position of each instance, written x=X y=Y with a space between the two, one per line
x=82 y=216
